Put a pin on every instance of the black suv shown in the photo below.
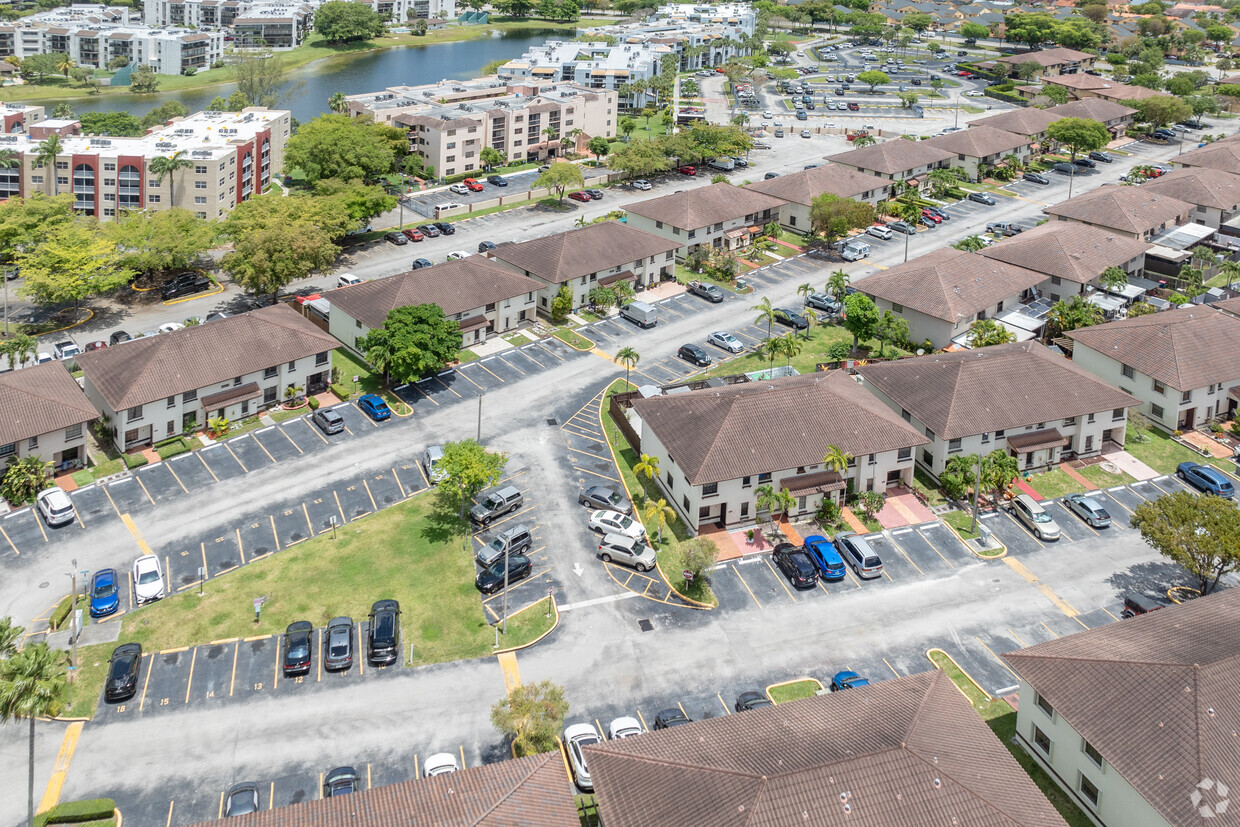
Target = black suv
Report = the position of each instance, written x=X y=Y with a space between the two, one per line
x=186 y=284
x=123 y=667
x=669 y=718
x=497 y=504
x=445 y=228
x=383 y=632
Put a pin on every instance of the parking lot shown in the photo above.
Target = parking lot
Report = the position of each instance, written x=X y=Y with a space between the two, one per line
x=519 y=183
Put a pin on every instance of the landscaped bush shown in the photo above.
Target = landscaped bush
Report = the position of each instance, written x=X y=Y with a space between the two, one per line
x=173 y=448
x=313 y=403
x=341 y=391
x=77 y=812
x=133 y=461
x=61 y=612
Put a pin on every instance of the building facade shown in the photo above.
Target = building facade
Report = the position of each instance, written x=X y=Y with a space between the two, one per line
x=43 y=413
x=720 y=216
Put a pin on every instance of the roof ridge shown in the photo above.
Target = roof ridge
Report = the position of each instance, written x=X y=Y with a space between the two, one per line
x=1024 y=653
x=951 y=409
x=515 y=787
x=560 y=239
x=86 y=406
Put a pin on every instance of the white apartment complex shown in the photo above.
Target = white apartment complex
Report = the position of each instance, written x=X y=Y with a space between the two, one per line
x=234 y=155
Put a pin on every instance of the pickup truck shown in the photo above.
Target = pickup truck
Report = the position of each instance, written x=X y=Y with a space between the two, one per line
x=711 y=292
x=1004 y=228
x=496 y=504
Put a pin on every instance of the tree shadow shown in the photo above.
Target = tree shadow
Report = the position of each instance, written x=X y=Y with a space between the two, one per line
x=1151 y=579
x=444 y=523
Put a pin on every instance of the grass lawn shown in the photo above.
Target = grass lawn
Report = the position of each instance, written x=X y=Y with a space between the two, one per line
x=573 y=340
x=243 y=427
x=281 y=415
x=1054 y=484
x=413 y=552
x=1001 y=719
x=820 y=338
x=1160 y=451
x=961 y=521
x=793 y=691
x=357 y=379
x=463 y=356
x=923 y=483
x=1104 y=479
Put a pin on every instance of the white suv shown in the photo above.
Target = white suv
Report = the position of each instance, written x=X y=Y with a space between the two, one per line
x=55 y=506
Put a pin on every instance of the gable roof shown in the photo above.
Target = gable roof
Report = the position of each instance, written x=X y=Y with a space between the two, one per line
x=909 y=751
x=456 y=286
x=719 y=434
x=802 y=187
x=594 y=248
x=949 y=284
x=1187 y=348
x=989 y=389
x=1127 y=209
x=1155 y=694
x=156 y=367
x=523 y=792
x=1203 y=186
x=1026 y=121
x=979 y=141
x=891 y=157
x=1071 y=251
x=1096 y=109
x=40 y=399
x=1223 y=155
x=703 y=206
x=1046 y=57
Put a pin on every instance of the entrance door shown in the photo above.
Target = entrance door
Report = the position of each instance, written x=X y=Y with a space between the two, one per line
x=1188 y=419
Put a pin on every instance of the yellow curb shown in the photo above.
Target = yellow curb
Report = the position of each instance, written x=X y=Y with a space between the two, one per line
x=57 y=782
x=143 y=289
x=219 y=288
x=969 y=549
x=788 y=683
x=223 y=641
x=90 y=315
x=677 y=592
x=555 y=610
x=119 y=820
x=978 y=686
x=592 y=345
x=1172 y=597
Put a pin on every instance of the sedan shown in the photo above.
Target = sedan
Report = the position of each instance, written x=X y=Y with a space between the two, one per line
x=241 y=799
x=847 y=680
x=790 y=318
x=828 y=561
x=171 y=327
x=687 y=170
x=1036 y=178
x=768 y=114
x=148 y=579
x=497 y=180
x=805 y=133
x=373 y=406
x=982 y=198
x=747 y=701
x=602 y=496
x=902 y=227
x=576 y=738
x=429 y=230
x=796 y=565
x=624 y=727
x=123 y=667
x=823 y=302
x=441 y=763
x=725 y=341
x=396 y=238
x=1088 y=509
x=669 y=718
x=694 y=354
x=940 y=212
x=974 y=93
x=1205 y=478
x=936 y=219
x=579 y=196
x=297 y=654
x=338 y=644
x=1101 y=156
x=419 y=263
x=491 y=580
x=1085 y=163
x=641 y=184
x=340 y=781
x=613 y=522
x=597 y=195
x=118 y=337
x=104 y=594
x=486 y=246
x=413 y=234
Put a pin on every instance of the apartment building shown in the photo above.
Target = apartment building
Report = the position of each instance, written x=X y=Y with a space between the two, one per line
x=720 y=216
x=799 y=189
x=197 y=13
x=234 y=155
x=16 y=118
x=1072 y=256
x=1130 y=211
x=279 y=25
x=43 y=413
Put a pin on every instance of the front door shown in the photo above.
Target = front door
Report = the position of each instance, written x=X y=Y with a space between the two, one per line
x=1188 y=419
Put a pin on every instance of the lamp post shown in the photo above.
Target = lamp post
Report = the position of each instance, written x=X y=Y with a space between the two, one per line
x=976 y=489
x=401 y=202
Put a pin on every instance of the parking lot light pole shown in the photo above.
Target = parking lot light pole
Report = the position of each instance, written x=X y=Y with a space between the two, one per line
x=976 y=490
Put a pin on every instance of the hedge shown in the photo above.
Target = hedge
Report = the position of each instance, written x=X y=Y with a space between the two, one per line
x=78 y=812
x=62 y=612
x=341 y=391
x=133 y=461
x=173 y=448
x=313 y=403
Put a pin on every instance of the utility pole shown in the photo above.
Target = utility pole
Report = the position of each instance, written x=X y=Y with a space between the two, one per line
x=956 y=122
x=479 y=437
x=73 y=630
x=976 y=490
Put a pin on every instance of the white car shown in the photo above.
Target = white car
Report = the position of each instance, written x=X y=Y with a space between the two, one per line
x=624 y=728
x=456 y=255
x=55 y=506
x=459 y=189
x=973 y=93
x=725 y=340
x=613 y=522
x=347 y=280
x=440 y=763
x=800 y=54
x=148 y=579
x=641 y=184
x=768 y=114
x=171 y=327
x=576 y=738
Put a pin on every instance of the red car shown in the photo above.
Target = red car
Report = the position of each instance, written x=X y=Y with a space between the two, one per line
x=937 y=219
x=964 y=74
x=688 y=170
x=473 y=185
x=853 y=106
x=579 y=196
x=96 y=346
x=413 y=235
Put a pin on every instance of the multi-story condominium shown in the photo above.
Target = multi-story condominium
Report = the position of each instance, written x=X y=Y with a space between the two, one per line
x=233 y=155
x=197 y=13
x=19 y=117
x=95 y=35
x=449 y=123
x=279 y=25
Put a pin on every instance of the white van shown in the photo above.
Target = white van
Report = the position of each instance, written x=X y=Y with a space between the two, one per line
x=640 y=314
x=854 y=250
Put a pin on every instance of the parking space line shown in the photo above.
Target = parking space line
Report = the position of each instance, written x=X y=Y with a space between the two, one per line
x=910 y=559
x=142 y=485
x=137 y=535
x=737 y=572
x=171 y=802
x=779 y=577
x=415 y=765
x=1016 y=637
x=204 y=465
x=39 y=523
x=461 y=374
x=587 y=453
x=682 y=710
x=1002 y=662
x=237 y=458
x=548 y=351
x=726 y=711
x=399 y=486
x=314 y=431
x=597 y=474
x=936 y=548
x=1021 y=528
x=531 y=358
x=232 y=683
x=221 y=812
x=343 y=519
x=254 y=438
x=425 y=395
x=9 y=541
x=274 y=534
x=168 y=465
x=150 y=667
x=1052 y=631
x=511 y=365
x=373 y=507
x=290 y=441
x=892 y=668
x=305 y=511
x=240 y=550
x=275 y=684
x=192 y=661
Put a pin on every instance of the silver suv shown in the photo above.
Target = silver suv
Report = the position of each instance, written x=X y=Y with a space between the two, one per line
x=1035 y=517
x=431 y=458
x=859 y=554
x=510 y=541
x=632 y=551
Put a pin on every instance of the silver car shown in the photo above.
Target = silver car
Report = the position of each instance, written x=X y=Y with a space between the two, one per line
x=726 y=341
x=431 y=458
x=576 y=738
x=632 y=551
x=1088 y=509
x=1035 y=517
x=440 y=763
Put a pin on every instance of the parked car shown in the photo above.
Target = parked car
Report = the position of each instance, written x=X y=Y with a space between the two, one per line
x=847 y=680
x=419 y=263
x=982 y=198
x=66 y=350
x=383 y=632
x=1035 y=517
x=456 y=255
x=169 y=327
x=486 y=246
x=824 y=556
x=148 y=579
x=687 y=170
x=297 y=650
x=496 y=504
x=1088 y=509
x=790 y=318
x=1064 y=168
x=413 y=234
x=497 y=180
x=597 y=195
x=940 y=212
x=340 y=781
x=739 y=161
x=459 y=189
x=694 y=354
x=55 y=506
x=1138 y=604
x=579 y=196
x=241 y=799
x=185 y=284
x=1205 y=478
x=1165 y=134
x=514 y=540
x=431 y=457
x=928 y=221
x=441 y=763
x=879 y=231
x=725 y=341
x=768 y=176
x=1036 y=178
x=641 y=184
x=937 y=219
x=605 y=521
x=472 y=185
x=1084 y=163
x=576 y=738
x=396 y=238
x=853 y=106
x=105 y=594
x=445 y=228
x=604 y=496
x=429 y=230
x=747 y=701
x=119 y=337
x=491 y=580
x=624 y=727
x=796 y=565
x=859 y=554
x=974 y=93
x=668 y=718
x=338 y=644
x=373 y=406
x=631 y=551
x=123 y=668
x=711 y=292
x=348 y=279
x=1100 y=156
x=1004 y=228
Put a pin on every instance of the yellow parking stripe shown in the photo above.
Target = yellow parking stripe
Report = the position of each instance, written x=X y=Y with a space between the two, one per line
x=137 y=535
x=138 y=477
x=779 y=577
x=168 y=465
x=512 y=674
x=737 y=572
x=51 y=796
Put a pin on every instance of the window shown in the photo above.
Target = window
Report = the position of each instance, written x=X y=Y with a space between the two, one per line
x=710 y=489
x=744 y=510
x=669 y=481
x=200 y=199
x=8 y=450
x=270 y=373
x=897 y=308
x=999 y=434
x=1128 y=372
x=171 y=401
x=200 y=185
x=73 y=432
x=133 y=414
x=1071 y=420
x=1093 y=754
x=1041 y=740
x=189 y=396
x=269 y=395
x=1117 y=414
x=1089 y=790
x=1187 y=396
x=152 y=199
x=236 y=381
x=109 y=167
x=763 y=478
x=1043 y=704
x=904 y=453
x=873 y=459
x=200 y=170
x=32 y=444
x=1090 y=419
x=1158 y=386
x=745 y=482
x=906 y=415
x=292 y=365
x=953 y=446
x=320 y=359
x=985 y=439
x=1157 y=411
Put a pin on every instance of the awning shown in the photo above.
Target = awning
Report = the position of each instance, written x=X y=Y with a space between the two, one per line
x=232 y=396
x=474 y=323
x=818 y=482
x=739 y=232
x=1037 y=440
x=626 y=275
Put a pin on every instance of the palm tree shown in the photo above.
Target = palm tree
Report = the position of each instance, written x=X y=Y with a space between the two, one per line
x=766 y=313
x=381 y=355
x=647 y=467
x=837 y=285
x=162 y=167
x=31 y=685
x=337 y=103
x=1230 y=269
x=911 y=213
x=1013 y=163
x=64 y=112
x=811 y=318
x=772 y=347
x=659 y=513
x=790 y=346
x=985 y=332
x=1113 y=278
x=65 y=65
x=766 y=500
x=884 y=208
x=47 y=152
x=628 y=357
x=21 y=349
x=836 y=460
x=9 y=159
x=805 y=289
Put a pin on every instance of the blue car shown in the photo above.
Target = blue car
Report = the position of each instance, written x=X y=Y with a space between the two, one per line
x=105 y=597
x=373 y=406
x=1205 y=478
x=823 y=553
x=847 y=680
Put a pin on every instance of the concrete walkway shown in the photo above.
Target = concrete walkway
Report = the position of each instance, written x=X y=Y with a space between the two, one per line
x=1072 y=472
x=1130 y=465
x=1206 y=443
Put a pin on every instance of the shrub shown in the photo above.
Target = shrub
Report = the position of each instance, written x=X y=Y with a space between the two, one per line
x=1216 y=427
x=172 y=449
x=61 y=612
x=74 y=812
x=133 y=461
x=828 y=513
x=313 y=403
x=341 y=391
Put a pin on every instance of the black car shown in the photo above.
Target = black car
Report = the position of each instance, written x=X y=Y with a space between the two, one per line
x=770 y=175
x=1165 y=134
x=241 y=799
x=1101 y=156
x=491 y=580
x=429 y=230
x=597 y=195
x=796 y=565
x=123 y=669
x=790 y=318
x=338 y=644
x=669 y=718
x=383 y=632
x=445 y=228
x=1085 y=163
x=982 y=198
x=940 y=212
x=902 y=227
x=751 y=700
x=694 y=355
x=497 y=180
x=1036 y=177
x=917 y=81
x=419 y=263
x=118 y=337
x=185 y=284
x=398 y=239
x=297 y=655
x=340 y=781
x=486 y=246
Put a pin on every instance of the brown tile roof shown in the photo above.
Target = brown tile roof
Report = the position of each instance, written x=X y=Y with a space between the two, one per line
x=560 y=257
x=456 y=286
x=1046 y=57
x=1027 y=121
x=1095 y=108
x=949 y=284
x=1127 y=209
x=1203 y=186
x=1123 y=92
x=892 y=157
x=724 y=434
x=1155 y=694
x=148 y=369
x=1082 y=81
x=979 y=142
x=40 y=399
x=701 y=207
x=910 y=751
x=1231 y=306
x=231 y=396
x=804 y=186
x=989 y=389
x=1223 y=155
x=1188 y=348
x=525 y=792
x=1072 y=251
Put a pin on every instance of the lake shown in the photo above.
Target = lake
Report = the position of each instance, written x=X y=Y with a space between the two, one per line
x=351 y=74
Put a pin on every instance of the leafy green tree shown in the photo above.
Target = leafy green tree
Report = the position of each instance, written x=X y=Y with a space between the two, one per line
x=558 y=177
x=468 y=468
x=144 y=80
x=659 y=513
x=598 y=146
x=32 y=683
x=20 y=349
x=26 y=221
x=1113 y=278
x=491 y=157
x=72 y=262
x=160 y=240
x=418 y=338
x=890 y=328
x=269 y=258
x=361 y=202
x=532 y=715
x=860 y=317
x=766 y=313
x=1201 y=534
x=986 y=332
x=833 y=216
x=999 y=468
x=118 y=124
x=163 y=113
x=1028 y=69
x=918 y=21
x=1181 y=85
x=873 y=78
x=23 y=478
x=958 y=476
x=1160 y=110
x=233 y=103
x=561 y=304
x=38 y=67
x=970 y=244
x=700 y=555
x=1070 y=314
x=1032 y=29
x=836 y=460
x=639 y=159
x=1078 y=33
x=1078 y=134
x=973 y=32
x=259 y=76
x=337 y=146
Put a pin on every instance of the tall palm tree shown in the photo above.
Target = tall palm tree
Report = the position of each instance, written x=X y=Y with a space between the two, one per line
x=163 y=167
x=811 y=317
x=911 y=213
x=65 y=65
x=10 y=634
x=766 y=313
x=837 y=285
x=31 y=685
x=803 y=290
x=648 y=468
x=659 y=513
x=836 y=460
x=628 y=357
x=336 y=103
x=790 y=346
x=1230 y=269
x=1013 y=163
x=381 y=355
x=47 y=152
x=772 y=347
x=884 y=208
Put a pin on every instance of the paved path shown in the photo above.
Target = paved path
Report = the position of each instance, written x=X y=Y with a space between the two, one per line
x=1131 y=465
x=1072 y=472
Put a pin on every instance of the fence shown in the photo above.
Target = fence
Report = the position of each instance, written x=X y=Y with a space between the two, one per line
x=616 y=406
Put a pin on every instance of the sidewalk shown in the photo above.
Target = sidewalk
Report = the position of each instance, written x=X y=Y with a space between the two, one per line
x=1130 y=465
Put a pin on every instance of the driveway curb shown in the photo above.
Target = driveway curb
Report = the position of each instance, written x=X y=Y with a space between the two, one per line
x=969 y=677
